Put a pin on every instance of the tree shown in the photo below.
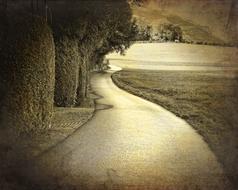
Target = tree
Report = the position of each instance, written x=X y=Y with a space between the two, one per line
x=99 y=27
x=144 y=33
x=120 y=29
x=170 y=32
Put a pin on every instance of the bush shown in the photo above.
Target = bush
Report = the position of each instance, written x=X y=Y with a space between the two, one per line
x=67 y=71
x=144 y=33
x=170 y=32
x=27 y=75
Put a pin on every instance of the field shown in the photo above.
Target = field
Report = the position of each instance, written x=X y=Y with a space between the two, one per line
x=207 y=100
x=200 y=21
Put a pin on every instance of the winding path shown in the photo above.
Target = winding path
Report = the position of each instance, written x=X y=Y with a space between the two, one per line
x=130 y=144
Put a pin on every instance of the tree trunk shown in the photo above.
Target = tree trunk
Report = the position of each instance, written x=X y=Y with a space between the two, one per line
x=46 y=10
x=231 y=13
x=82 y=91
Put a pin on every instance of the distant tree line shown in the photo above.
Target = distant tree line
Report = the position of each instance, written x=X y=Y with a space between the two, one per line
x=164 y=33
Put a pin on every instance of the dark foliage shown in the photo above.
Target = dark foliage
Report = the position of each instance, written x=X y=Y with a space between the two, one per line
x=170 y=32
x=99 y=27
x=67 y=68
x=144 y=33
x=84 y=32
x=27 y=75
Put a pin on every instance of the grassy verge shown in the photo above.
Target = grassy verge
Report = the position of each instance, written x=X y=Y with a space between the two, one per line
x=206 y=100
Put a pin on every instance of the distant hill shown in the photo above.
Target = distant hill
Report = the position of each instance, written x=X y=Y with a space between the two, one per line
x=213 y=21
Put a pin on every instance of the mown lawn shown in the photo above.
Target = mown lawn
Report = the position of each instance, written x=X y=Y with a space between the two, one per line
x=208 y=101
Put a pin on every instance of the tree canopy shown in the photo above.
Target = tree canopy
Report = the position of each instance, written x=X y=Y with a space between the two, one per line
x=105 y=25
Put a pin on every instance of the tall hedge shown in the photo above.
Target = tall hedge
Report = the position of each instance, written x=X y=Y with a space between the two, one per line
x=67 y=53
x=67 y=71
x=27 y=75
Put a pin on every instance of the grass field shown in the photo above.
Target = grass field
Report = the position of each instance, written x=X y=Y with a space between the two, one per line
x=207 y=100
x=200 y=21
